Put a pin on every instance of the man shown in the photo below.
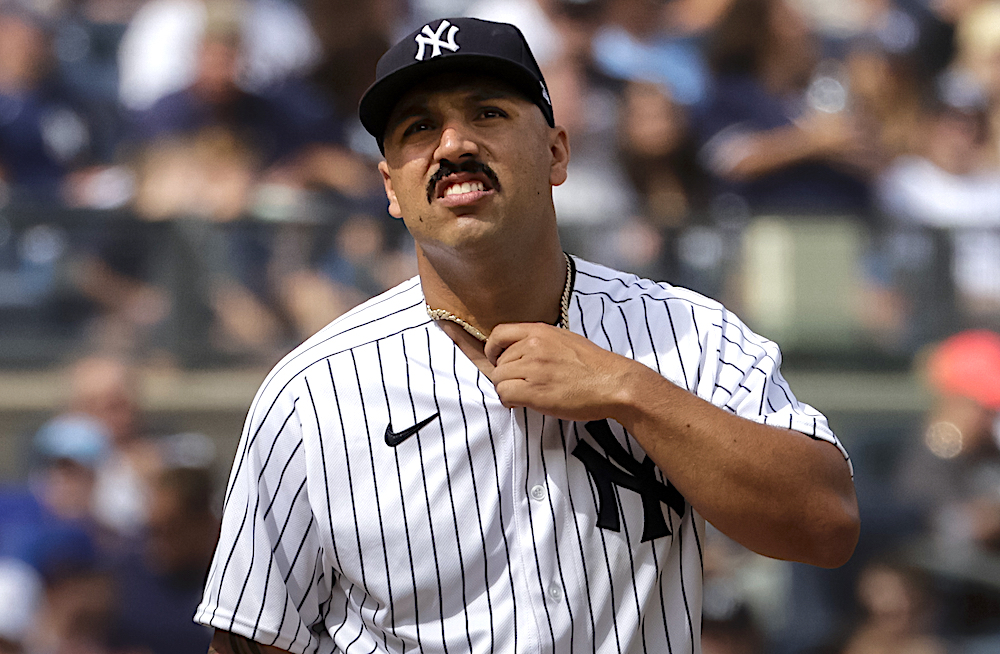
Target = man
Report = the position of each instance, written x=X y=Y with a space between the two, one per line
x=403 y=486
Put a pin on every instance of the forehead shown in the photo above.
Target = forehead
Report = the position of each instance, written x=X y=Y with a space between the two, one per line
x=453 y=88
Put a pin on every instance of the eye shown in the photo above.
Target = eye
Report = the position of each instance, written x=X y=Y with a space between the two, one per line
x=416 y=127
x=492 y=112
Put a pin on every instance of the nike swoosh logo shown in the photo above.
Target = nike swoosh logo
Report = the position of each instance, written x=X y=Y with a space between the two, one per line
x=394 y=438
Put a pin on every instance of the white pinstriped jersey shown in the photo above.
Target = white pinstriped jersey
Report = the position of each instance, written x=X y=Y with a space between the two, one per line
x=479 y=532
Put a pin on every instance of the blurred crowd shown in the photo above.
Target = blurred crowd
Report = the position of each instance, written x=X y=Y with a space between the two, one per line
x=218 y=197
x=185 y=182
x=105 y=545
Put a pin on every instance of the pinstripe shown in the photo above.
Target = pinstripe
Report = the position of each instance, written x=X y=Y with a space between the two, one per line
x=475 y=498
x=631 y=565
x=663 y=602
x=267 y=575
x=357 y=526
x=604 y=545
x=531 y=524
x=439 y=594
x=308 y=346
x=628 y=445
x=381 y=522
x=232 y=486
x=496 y=469
x=239 y=599
x=451 y=495
x=579 y=539
x=679 y=537
x=552 y=509
x=285 y=607
x=656 y=563
x=701 y=349
x=402 y=496
x=677 y=344
x=350 y=477
x=427 y=497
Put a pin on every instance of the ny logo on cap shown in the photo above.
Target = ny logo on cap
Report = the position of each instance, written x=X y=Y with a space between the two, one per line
x=427 y=37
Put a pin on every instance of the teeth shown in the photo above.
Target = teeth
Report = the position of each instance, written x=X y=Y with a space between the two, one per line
x=467 y=187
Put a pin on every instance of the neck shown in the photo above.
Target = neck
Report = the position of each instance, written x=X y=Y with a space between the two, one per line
x=489 y=289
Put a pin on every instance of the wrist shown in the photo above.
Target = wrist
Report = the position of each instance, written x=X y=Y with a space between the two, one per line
x=638 y=391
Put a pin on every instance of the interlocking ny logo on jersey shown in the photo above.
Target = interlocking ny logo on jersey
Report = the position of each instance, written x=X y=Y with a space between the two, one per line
x=394 y=438
x=637 y=477
x=428 y=37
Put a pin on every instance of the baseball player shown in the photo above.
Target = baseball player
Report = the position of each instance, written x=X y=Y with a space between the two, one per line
x=517 y=450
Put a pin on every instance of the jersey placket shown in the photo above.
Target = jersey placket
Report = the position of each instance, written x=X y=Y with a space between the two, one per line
x=538 y=503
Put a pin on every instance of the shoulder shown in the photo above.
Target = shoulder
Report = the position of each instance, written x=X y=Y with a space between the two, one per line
x=395 y=311
x=596 y=284
x=635 y=313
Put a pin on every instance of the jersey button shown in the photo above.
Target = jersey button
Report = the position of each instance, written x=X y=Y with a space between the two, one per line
x=538 y=492
x=555 y=593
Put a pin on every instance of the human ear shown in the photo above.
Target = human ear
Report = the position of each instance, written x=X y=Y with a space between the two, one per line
x=559 y=148
x=394 y=209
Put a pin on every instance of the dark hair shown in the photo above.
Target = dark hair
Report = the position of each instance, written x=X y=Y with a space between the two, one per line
x=739 y=40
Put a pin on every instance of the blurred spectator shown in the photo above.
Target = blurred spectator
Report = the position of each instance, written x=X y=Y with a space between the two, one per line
x=534 y=19
x=49 y=525
x=953 y=471
x=75 y=615
x=163 y=575
x=158 y=54
x=87 y=34
x=953 y=183
x=596 y=198
x=919 y=32
x=44 y=133
x=637 y=43
x=898 y=613
x=352 y=35
x=659 y=159
x=977 y=45
x=20 y=595
x=58 y=497
x=733 y=605
x=885 y=96
x=107 y=389
x=777 y=133
x=288 y=126
x=658 y=154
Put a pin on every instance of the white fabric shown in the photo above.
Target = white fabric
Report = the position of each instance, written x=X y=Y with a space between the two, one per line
x=479 y=533
x=120 y=496
x=917 y=192
x=21 y=591
x=158 y=53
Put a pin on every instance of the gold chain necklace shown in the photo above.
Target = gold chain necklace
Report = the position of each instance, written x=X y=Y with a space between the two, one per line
x=444 y=314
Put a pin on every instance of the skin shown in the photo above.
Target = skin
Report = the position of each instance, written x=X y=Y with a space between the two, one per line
x=493 y=258
x=224 y=642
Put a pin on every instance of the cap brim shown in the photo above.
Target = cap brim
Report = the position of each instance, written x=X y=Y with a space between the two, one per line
x=381 y=98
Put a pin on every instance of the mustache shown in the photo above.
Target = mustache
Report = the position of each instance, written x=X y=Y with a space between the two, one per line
x=467 y=166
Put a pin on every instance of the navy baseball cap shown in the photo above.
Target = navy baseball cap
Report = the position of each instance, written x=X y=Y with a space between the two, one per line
x=452 y=44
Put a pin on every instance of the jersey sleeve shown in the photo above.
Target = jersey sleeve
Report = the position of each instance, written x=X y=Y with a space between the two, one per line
x=267 y=582
x=745 y=379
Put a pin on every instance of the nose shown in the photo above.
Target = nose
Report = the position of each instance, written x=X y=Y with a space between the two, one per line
x=456 y=142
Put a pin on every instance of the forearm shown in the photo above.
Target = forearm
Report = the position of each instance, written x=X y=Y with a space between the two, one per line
x=224 y=642
x=747 y=156
x=775 y=491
